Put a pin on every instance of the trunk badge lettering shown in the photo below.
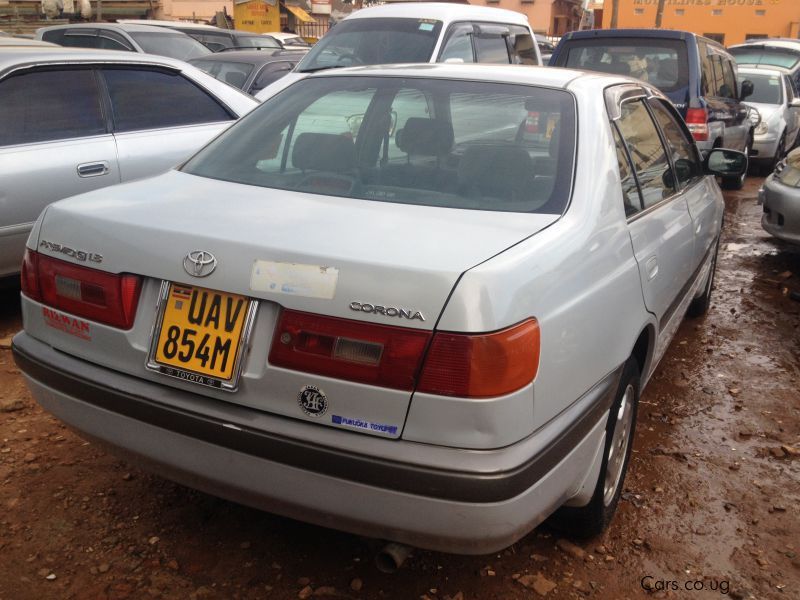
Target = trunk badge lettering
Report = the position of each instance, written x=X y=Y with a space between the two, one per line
x=199 y=263
x=80 y=255
x=386 y=311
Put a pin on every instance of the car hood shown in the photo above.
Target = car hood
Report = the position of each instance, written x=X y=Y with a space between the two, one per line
x=768 y=112
x=331 y=252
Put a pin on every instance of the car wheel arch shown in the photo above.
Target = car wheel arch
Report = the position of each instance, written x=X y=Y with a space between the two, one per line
x=643 y=349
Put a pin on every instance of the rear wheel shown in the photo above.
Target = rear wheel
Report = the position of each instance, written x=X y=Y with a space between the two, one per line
x=701 y=304
x=592 y=519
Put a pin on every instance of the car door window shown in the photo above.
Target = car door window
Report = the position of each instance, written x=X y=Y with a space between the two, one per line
x=271 y=73
x=459 y=45
x=728 y=89
x=80 y=38
x=111 y=40
x=630 y=191
x=145 y=99
x=521 y=45
x=647 y=153
x=491 y=49
x=682 y=151
x=42 y=106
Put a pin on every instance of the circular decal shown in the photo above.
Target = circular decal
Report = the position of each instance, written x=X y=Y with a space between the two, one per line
x=313 y=401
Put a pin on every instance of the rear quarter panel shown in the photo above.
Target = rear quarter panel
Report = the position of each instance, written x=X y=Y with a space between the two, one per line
x=578 y=277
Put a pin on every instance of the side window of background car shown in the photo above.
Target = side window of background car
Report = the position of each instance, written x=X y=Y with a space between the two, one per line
x=708 y=80
x=271 y=72
x=144 y=99
x=728 y=88
x=683 y=153
x=719 y=77
x=111 y=40
x=80 y=38
x=521 y=45
x=491 y=48
x=42 y=106
x=459 y=44
x=630 y=191
x=647 y=153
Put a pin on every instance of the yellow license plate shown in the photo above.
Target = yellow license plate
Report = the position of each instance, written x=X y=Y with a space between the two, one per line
x=201 y=331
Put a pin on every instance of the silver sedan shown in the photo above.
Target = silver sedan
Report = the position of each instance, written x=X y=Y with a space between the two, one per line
x=412 y=302
x=77 y=120
x=780 y=196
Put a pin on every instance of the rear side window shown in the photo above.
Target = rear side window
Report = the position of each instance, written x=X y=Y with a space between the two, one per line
x=80 y=38
x=445 y=143
x=143 y=99
x=522 y=44
x=647 y=153
x=491 y=49
x=49 y=105
x=458 y=45
x=270 y=73
x=232 y=73
x=662 y=63
x=111 y=40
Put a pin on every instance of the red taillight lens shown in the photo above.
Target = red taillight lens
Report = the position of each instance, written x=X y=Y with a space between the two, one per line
x=481 y=366
x=375 y=354
x=29 y=275
x=81 y=291
x=697 y=122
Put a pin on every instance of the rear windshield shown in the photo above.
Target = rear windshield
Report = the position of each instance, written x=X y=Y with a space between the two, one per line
x=173 y=44
x=766 y=88
x=662 y=63
x=232 y=73
x=456 y=144
x=774 y=58
x=374 y=42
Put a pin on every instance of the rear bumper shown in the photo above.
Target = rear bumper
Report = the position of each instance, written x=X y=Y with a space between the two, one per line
x=471 y=502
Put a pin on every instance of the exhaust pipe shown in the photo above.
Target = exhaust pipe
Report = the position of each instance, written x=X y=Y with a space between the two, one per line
x=391 y=557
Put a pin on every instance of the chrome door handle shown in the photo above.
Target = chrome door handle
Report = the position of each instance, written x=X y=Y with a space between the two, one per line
x=93 y=169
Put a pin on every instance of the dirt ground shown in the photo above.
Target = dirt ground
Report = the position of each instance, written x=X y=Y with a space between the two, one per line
x=710 y=506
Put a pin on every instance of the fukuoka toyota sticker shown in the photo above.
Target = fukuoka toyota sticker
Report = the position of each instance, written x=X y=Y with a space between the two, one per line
x=313 y=401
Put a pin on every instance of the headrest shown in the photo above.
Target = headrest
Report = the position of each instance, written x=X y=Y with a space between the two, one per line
x=617 y=68
x=504 y=172
x=425 y=137
x=324 y=152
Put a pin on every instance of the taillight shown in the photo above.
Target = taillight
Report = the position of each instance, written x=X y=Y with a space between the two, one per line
x=478 y=366
x=81 y=291
x=697 y=122
x=481 y=366
x=379 y=355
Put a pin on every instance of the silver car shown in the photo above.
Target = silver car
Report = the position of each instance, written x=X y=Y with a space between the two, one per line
x=63 y=133
x=413 y=302
x=774 y=98
x=780 y=196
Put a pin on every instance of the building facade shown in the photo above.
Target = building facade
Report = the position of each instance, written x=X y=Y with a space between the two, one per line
x=727 y=21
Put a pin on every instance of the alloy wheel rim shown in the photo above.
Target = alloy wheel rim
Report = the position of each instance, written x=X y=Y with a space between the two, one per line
x=620 y=438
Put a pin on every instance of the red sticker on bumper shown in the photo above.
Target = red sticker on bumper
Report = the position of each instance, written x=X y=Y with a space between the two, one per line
x=76 y=327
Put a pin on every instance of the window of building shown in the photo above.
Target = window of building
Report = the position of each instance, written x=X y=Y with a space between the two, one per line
x=761 y=13
x=717 y=37
x=638 y=11
x=717 y=12
x=680 y=12
x=756 y=36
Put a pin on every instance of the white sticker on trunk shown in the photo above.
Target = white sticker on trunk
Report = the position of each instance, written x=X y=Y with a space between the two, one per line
x=309 y=281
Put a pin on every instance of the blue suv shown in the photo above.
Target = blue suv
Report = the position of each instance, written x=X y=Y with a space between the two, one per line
x=697 y=74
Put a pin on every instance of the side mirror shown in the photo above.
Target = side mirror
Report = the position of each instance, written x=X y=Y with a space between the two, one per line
x=726 y=163
x=795 y=103
x=747 y=89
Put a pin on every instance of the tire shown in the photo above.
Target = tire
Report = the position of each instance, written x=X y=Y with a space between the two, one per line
x=701 y=304
x=737 y=183
x=779 y=153
x=594 y=518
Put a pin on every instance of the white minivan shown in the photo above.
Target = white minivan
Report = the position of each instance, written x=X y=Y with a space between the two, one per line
x=419 y=32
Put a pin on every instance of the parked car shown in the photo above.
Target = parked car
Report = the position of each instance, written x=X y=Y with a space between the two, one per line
x=215 y=39
x=62 y=132
x=249 y=71
x=416 y=32
x=289 y=41
x=696 y=74
x=774 y=99
x=363 y=306
x=125 y=37
x=771 y=53
x=780 y=195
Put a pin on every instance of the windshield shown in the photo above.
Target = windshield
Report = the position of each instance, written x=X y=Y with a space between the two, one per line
x=373 y=42
x=773 y=57
x=173 y=44
x=662 y=63
x=256 y=41
x=766 y=88
x=433 y=142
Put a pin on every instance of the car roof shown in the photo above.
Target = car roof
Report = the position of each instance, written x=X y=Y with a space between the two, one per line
x=768 y=69
x=514 y=74
x=11 y=57
x=768 y=45
x=129 y=27
x=251 y=56
x=282 y=35
x=440 y=11
x=8 y=41
x=672 y=34
x=165 y=23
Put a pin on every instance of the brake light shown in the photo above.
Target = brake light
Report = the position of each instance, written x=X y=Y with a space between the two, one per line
x=481 y=366
x=380 y=355
x=697 y=122
x=81 y=291
x=478 y=366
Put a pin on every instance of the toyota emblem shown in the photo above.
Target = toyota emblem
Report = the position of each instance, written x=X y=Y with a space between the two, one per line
x=199 y=263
